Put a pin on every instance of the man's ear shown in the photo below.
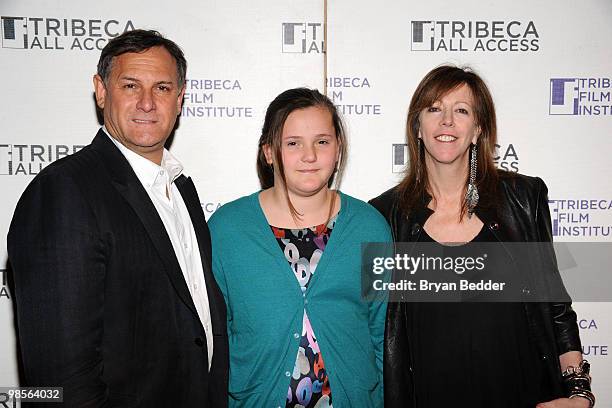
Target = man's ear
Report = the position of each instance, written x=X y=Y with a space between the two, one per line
x=100 y=90
x=179 y=102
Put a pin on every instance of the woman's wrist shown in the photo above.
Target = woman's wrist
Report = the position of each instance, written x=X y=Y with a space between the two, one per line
x=577 y=382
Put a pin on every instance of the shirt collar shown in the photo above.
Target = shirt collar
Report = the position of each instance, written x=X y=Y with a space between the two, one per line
x=147 y=171
x=172 y=165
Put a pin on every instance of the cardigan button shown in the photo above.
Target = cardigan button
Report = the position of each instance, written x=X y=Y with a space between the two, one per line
x=287 y=374
x=295 y=335
x=494 y=225
x=416 y=228
x=199 y=342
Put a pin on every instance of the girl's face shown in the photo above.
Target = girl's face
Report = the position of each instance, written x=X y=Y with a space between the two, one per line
x=309 y=149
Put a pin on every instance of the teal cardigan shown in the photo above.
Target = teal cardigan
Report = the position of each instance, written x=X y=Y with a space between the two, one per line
x=265 y=306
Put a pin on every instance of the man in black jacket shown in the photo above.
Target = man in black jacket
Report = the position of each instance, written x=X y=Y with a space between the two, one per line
x=115 y=298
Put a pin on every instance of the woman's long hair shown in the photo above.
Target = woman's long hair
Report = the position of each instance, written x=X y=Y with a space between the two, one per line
x=414 y=188
x=272 y=131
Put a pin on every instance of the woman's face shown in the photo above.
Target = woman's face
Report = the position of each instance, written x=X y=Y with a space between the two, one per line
x=309 y=149
x=448 y=127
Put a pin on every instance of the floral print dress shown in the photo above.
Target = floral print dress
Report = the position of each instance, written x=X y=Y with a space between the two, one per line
x=303 y=248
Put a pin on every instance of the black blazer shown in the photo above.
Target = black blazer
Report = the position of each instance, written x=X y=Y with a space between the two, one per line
x=102 y=307
x=520 y=214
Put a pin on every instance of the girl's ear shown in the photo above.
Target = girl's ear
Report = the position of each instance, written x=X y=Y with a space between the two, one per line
x=267 y=149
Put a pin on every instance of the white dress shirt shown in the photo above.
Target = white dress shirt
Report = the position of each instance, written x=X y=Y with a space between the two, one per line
x=158 y=181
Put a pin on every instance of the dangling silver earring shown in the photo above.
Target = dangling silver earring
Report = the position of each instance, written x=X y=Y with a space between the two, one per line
x=471 y=196
x=419 y=169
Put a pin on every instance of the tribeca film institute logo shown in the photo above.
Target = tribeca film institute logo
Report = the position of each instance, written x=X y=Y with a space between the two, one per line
x=580 y=217
x=208 y=99
x=349 y=94
x=485 y=36
x=29 y=160
x=592 y=325
x=303 y=38
x=580 y=96
x=46 y=33
x=505 y=157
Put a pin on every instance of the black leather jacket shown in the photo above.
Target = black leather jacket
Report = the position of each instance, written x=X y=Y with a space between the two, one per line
x=521 y=215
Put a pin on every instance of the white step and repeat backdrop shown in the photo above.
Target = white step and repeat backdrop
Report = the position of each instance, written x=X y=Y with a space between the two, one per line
x=549 y=66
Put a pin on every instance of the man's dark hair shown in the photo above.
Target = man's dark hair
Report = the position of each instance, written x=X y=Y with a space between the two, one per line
x=140 y=41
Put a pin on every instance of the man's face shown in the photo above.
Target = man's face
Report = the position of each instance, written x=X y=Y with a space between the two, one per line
x=141 y=100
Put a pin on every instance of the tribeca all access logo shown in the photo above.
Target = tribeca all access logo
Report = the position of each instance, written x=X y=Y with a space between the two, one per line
x=210 y=207
x=485 y=36
x=399 y=157
x=580 y=96
x=303 y=38
x=581 y=217
x=46 y=33
x=4 y=291
x=505 y=157
x=29 y=160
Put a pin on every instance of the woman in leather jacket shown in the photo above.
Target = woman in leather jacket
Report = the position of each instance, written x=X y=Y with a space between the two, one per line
x=499 y=354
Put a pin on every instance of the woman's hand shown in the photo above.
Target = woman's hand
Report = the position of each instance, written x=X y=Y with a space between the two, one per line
x=576 y=402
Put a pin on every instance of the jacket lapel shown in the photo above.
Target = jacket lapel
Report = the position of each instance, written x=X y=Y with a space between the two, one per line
x=192 y=202
x=127 y=184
